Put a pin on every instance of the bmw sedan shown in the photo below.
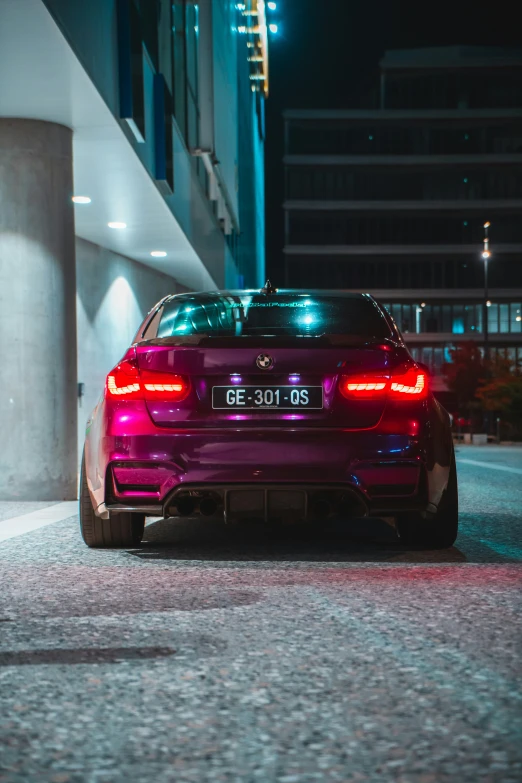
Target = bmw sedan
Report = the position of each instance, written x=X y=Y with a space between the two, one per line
x=280 y=405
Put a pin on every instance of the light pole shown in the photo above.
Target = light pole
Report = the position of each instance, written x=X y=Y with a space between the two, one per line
x=486 y=254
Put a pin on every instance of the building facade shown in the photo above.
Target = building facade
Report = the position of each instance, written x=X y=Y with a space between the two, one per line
x=131 y=166
x=393 y=200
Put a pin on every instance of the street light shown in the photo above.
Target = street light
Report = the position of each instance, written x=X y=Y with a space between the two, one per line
x=486 y=255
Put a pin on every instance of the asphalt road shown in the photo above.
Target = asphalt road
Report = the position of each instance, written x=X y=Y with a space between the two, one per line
x=204 y=656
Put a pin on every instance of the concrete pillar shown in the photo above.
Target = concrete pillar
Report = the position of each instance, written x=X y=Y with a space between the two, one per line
x=38 y=407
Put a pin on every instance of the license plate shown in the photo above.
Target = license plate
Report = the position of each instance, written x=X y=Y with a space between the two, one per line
x=263 y=397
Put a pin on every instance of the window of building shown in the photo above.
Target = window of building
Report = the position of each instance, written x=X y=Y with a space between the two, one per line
x=492 y=318
x=179 y=77
x=192 y=37
x=460 y=89
x=505 y=272
x=165 y=42
x=456 y=318
x=149 y=14
x=322 y=137
x=503 y=319
x=348 y=183
x=398 y=272
x=515 y=325
x=435 y=356
x=185 y=37
x=343 y=228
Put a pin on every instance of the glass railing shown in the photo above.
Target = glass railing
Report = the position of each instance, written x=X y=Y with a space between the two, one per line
x=435 y=356
x=456 y=318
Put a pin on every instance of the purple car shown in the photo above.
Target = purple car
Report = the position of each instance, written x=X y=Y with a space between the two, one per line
x=284 y=405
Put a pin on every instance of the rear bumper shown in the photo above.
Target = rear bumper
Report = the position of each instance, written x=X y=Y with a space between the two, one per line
x=143 y=472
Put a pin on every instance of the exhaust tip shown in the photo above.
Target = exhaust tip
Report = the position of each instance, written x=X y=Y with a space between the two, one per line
x=185 y=506
x=208 y=507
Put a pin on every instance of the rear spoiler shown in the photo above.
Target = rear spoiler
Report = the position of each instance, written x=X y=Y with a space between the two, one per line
x=323 y=340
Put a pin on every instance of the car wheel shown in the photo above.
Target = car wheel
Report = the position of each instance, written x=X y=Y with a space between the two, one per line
x=439 y=532
x=120 y=530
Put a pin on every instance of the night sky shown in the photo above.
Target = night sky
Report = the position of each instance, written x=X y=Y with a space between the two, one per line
x=326 y=55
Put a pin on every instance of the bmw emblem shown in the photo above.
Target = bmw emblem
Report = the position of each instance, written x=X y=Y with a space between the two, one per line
x=264 y=361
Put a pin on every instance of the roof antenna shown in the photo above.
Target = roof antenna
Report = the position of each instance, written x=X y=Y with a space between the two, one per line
x=269 y=288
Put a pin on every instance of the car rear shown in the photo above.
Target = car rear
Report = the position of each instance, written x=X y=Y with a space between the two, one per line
x=288 y=404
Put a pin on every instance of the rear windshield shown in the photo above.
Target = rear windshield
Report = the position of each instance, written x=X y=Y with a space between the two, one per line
x=280 y=314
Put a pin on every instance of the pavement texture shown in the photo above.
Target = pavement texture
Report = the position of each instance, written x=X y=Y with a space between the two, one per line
x=207 y=655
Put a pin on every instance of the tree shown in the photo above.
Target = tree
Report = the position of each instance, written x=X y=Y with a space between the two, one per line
x=465 y=373
x=502 y=393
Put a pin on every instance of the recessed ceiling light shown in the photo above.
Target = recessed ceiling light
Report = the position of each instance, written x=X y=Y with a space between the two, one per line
x=158 y=253
x=116 y=224
x=81 y=199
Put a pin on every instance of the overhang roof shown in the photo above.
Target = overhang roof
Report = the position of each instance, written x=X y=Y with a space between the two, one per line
x=41 y=78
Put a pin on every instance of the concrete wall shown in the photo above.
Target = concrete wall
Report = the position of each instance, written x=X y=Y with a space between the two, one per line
x=37 y=313
x=113 y=296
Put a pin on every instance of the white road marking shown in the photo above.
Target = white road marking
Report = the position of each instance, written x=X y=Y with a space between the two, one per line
x=26 y=523
x=490 y=465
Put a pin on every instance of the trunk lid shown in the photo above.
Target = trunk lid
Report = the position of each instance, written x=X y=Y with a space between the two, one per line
x=300 y=363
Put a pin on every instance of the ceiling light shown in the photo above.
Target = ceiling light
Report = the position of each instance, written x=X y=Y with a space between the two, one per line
x=272 y=6
x=81 y=199
x=158 y=253
x=117 y=224
x=273 y=28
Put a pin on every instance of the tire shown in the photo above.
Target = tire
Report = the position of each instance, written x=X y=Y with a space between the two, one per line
x=439 y=532
x=123 y=530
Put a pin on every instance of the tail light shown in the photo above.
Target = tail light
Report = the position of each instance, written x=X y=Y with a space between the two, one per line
x=126 y=382
x=361 y=387
x=413 y=383
x=164 y=386
x=405 y=385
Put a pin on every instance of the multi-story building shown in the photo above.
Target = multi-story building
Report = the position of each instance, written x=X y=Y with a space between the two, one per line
x=393 y=200
x=149 y=116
